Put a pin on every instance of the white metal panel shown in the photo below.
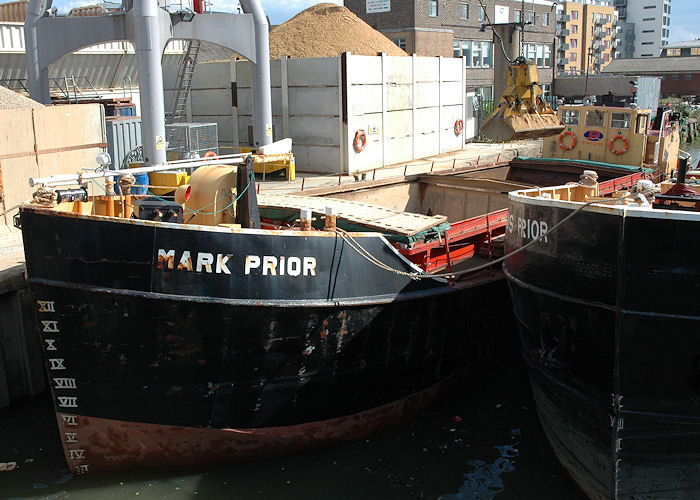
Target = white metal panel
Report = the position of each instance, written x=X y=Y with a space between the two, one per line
x=449 y=141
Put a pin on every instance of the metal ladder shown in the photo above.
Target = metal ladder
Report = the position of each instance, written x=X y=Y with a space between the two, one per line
x=184 y=82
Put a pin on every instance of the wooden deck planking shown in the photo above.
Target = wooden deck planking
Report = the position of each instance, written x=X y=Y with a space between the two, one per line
x=365 y=214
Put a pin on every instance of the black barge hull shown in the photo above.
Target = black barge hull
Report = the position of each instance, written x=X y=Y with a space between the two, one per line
x=156 y=361
x=608 y=313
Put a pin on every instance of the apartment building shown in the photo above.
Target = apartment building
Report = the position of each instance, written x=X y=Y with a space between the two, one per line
x=652 y=24
x=454 y=29
x=586 y=37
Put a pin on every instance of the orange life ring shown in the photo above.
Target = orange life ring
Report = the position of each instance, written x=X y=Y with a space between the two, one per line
x=574 y=140
x=211 y=154
x=459 y=126
x=619 y=151
x=360 y=141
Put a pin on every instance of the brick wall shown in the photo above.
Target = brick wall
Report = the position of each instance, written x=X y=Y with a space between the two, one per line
x=682 y=86
x=400 y=16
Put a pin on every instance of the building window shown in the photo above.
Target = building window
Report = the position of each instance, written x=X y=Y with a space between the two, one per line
x=607 y=58
x=574 y=29
x=531 y=17
x=481 y=14
x=647 y=55
x=607 y=44
x=608 y=17
x=650 y=6
x=607 y=31
x=574 y=43
x=694 y=51
x=673 y=52
x=478 y=54
x=545 y=19
x=688 y=76
x=433 y=8
x=647 y=43
x=648 y=31
x=649 y=19
x=400 y=42
x=464 y=11
x=573 y=56
x=516 y=16
x=674 y=77
x=574 y=15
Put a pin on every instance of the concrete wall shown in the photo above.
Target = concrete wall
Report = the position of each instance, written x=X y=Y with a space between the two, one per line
x=407 y=107
x=46 y=141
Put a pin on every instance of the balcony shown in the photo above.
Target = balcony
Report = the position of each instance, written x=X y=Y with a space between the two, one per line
x=600 y=22
x=563 y=18
x=599 y=34
x=562 y=61
x=563 y=32
x=597 y=47
x=562 y=47
x=618 y=22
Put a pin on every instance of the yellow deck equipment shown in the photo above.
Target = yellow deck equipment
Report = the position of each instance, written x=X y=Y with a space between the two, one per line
x=522 y=113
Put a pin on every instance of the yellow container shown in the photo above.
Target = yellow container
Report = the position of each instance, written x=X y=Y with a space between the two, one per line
x=167 y=181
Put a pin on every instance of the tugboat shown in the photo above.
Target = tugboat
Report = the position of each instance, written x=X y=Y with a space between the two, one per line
x=605 y=293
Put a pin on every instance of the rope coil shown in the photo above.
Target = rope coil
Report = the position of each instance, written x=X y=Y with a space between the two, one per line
x=126 y=182
x=46 y=197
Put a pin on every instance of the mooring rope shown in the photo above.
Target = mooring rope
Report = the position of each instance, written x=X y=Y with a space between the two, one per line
x=126 y=182
x=363 y=252
x=46 y=197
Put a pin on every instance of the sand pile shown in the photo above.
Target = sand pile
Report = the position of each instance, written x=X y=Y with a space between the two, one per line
x=326 y=30
x=9 y=99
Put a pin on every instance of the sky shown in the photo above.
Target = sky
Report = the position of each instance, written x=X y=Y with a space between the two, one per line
x=685 y=14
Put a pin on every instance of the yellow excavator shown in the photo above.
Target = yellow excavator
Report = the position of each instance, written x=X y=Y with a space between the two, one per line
x=522 y=113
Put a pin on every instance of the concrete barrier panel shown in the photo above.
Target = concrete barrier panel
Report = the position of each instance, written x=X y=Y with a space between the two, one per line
x=212 y=75
x=364 y=69
x=427 y=69
x=398 y=150
x=427 y=120
x=427 y=94
x=318 y=159
x=451 y=70
x=308 y=101
x=399 y=97
x=398 y=70
x=314 y=130
x=426 y=144
x=313 y=72
x=398 y=124
x=451 y=93
x=364 y=99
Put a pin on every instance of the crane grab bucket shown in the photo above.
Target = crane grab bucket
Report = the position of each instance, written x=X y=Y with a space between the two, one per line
x=522 y=113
